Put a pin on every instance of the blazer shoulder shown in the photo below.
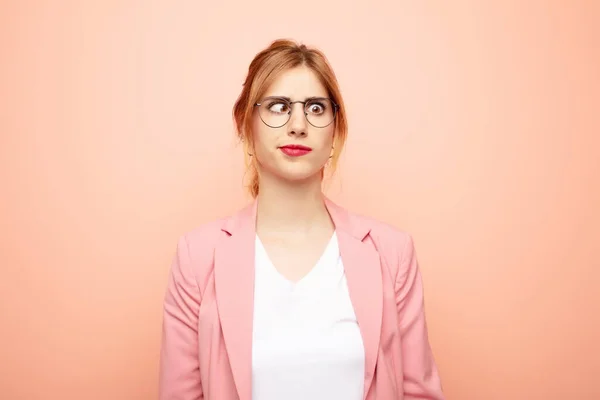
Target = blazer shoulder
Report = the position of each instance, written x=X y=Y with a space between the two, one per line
x=205 y=233
x=393 y=243
x=384 y=231
x=201 y=242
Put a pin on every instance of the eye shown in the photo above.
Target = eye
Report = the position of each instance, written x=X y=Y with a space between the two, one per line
x=316 y=108
x=278 y=107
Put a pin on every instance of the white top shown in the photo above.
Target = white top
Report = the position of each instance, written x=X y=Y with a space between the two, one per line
x=306 y=340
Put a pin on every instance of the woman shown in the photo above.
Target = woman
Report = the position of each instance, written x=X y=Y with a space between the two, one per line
x=294 y=297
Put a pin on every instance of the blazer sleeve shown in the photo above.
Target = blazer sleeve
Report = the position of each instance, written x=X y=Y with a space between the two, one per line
x=179 y=376
x=421 y=377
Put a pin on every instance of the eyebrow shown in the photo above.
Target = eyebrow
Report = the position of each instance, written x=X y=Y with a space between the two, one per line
x=289 y=99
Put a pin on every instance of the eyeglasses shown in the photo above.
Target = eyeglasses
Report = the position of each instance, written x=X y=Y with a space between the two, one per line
x=275 y=112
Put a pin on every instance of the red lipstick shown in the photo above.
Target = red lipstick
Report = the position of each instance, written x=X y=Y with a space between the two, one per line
x=295 y=150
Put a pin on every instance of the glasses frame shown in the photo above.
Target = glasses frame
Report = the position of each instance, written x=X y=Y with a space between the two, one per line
x=291 y=103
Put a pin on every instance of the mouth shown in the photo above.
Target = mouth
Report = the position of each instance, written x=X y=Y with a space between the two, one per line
x=295 y=150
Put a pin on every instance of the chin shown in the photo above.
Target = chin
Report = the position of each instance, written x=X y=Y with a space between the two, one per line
x=292 y=171
x=299 y=174
x=300 y=177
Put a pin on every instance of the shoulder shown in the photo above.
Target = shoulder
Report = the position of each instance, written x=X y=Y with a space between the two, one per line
x=394 y=244
x=204 y=235
x=383 y=232
x=201 y=240
x=196 y=246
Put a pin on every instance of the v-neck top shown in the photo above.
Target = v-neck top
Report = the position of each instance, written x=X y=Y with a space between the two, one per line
x=306 y=339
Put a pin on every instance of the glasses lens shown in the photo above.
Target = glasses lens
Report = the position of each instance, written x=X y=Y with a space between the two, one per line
x=274 y=112
x=320 y=112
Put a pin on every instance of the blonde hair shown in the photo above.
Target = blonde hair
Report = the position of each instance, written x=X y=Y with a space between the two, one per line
x=266 y=66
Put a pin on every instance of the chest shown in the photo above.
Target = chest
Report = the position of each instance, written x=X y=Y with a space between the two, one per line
x=303 y=306
x=305 y=331
x=294 y=259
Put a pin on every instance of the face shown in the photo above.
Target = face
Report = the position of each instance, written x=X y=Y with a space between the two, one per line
x=299 y=148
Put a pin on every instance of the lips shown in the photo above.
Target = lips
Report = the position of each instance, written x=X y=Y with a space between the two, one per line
x=295 y=150
x=296 y=146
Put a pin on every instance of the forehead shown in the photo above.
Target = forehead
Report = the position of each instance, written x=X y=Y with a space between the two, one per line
x=297 y=83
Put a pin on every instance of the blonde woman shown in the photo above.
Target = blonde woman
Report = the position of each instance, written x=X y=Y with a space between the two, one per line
x=294 y=297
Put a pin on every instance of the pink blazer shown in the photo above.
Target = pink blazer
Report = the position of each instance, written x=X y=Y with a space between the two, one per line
x=208 y=310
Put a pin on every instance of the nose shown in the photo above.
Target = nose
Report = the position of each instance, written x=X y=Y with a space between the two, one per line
x=297 y=125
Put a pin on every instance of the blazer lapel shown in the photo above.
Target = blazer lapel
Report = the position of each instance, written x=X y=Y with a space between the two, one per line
x=363 y=272
x=234 y=286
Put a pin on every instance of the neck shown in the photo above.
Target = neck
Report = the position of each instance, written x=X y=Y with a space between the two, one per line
x=291 y=207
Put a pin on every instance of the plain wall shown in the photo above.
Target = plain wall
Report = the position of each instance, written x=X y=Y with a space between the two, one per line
x=473 y=125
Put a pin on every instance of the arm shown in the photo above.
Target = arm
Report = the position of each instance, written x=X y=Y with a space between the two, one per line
x=421 y=378
x=179 y=377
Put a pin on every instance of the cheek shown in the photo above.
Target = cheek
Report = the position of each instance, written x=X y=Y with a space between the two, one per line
x=264 y=139
x=327 y=141
x=259 y=136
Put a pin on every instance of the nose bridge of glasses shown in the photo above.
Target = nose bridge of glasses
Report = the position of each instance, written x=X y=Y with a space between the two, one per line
x=299 y=118
x=302 y=103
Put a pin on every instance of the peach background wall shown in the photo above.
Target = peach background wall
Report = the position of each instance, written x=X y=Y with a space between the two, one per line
x=474 y=125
